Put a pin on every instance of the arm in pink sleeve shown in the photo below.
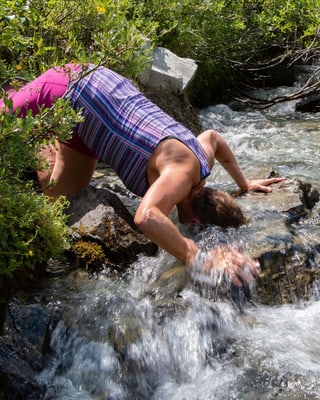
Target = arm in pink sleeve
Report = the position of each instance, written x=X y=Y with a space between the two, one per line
x=40 y=92
x=25 y=98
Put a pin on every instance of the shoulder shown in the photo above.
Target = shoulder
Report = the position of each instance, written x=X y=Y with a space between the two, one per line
x=209 y=140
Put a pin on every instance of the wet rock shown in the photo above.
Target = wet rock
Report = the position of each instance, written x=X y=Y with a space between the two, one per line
x=90 y=198
x=309 y=104
x=22 y=346
x=98 y=216
x=282 y=232
x=169 y=283
x=284 y=235
x=292 y=197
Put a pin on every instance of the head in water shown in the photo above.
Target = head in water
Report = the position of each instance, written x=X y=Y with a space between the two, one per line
x=215 y=207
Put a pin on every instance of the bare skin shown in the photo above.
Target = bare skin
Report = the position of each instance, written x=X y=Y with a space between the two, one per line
x=174 y=177
x=68 y=171
x=174 y=159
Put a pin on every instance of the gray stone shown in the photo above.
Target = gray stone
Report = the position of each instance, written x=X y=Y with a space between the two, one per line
x=169 y=72
x=98 y=216
x=283 y=235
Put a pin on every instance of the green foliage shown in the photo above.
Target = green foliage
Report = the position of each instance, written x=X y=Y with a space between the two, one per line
x=224 y=34
x=32 y=229
x=22 y=138
x=36 y=34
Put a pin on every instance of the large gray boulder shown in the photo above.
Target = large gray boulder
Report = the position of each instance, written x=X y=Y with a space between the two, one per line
x=165 y=82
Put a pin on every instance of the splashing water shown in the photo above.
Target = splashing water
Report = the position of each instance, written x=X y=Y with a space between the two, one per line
x=277 y=138
x=117 y=343
x=142 y=338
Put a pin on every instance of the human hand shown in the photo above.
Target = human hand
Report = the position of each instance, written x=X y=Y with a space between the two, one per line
x=228 y=262
x=262 y=185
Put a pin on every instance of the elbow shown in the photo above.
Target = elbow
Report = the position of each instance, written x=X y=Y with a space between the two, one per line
x=144 y=219
x=214 y=135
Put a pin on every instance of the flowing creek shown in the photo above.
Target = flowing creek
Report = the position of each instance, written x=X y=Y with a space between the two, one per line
x=118 y=343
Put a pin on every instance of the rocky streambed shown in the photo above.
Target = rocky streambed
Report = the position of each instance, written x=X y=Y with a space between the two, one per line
x=282 y=232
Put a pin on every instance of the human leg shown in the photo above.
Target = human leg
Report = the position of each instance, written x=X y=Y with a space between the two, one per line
x=47 y=158
x=71 y=171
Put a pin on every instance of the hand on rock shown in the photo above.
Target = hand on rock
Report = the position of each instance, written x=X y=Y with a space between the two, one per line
x=263 y=185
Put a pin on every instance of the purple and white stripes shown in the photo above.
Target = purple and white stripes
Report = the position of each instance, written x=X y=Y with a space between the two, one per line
x=123 y=127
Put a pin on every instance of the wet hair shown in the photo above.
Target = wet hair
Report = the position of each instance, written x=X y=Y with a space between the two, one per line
x=217 y=208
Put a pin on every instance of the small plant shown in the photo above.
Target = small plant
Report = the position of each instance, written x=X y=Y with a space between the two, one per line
x=90 y=255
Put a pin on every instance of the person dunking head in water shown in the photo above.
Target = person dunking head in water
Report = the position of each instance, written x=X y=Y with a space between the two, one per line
x=156 y=157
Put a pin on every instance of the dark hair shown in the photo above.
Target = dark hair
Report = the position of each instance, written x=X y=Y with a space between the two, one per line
x=218 y=208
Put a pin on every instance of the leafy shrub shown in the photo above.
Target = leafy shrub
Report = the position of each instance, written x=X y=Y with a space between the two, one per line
x=225 y=36
x=220 y=35
x=32 y=228
x=37 y=34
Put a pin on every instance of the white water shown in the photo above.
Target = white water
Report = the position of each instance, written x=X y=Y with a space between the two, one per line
x=278 y=137
x=196 y=347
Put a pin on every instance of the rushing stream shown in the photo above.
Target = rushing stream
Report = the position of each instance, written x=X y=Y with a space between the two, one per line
x=117 y=342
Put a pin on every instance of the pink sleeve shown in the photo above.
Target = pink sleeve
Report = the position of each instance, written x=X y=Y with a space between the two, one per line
x=25 y=98
x=40 y=92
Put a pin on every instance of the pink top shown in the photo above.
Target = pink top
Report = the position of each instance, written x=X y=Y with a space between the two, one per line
x=42 y=92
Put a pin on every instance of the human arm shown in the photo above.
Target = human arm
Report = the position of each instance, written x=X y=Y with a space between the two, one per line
x=217 y=148
x=152 y=219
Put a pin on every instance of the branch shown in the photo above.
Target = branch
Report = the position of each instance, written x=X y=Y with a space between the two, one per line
x=311 y=87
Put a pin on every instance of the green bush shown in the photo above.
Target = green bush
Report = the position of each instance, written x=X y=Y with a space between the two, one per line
x=225 y=36
x=32 y=228
x=37 y=34
x=220 y=35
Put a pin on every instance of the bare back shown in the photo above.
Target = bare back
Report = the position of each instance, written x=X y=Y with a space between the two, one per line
x=173 y=155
